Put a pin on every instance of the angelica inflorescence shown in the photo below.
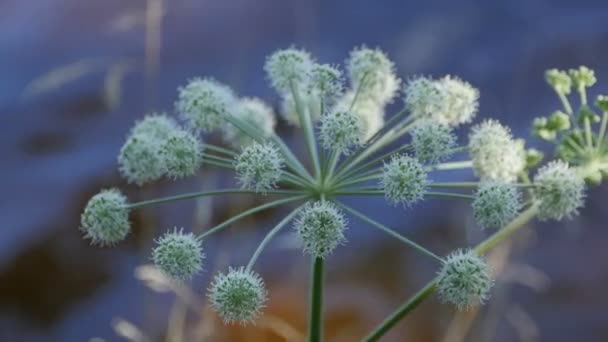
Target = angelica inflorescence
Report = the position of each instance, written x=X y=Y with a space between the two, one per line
x=351 y=152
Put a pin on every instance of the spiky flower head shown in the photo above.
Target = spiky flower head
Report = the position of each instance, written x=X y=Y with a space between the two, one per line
x=495 y=154
x=181 y=154
x=204 y=103
x=288 y=66
x=559 y=190
x=139 y=161
x=370 y=113
x=496 y=204
x=404 y=180
x=464 y=280
x=327 y=82
x=320 y=226
x=559 y=80
x=449 y=100
x=432 y=142
x=341 y=131
x=105 y=219
x=582 y=77
x=156 y=125
x=259 y=166
x=372 y=73
x=255 y=112
x=238 y=296
x=178 y=254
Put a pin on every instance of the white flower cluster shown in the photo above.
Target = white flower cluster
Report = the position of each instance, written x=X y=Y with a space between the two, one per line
x=259 y=167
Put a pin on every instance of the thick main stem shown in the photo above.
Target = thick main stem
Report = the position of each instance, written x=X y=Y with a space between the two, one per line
x=431 y=287
x=315 y=325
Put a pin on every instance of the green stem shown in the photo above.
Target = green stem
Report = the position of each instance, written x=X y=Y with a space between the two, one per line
x=250 y=212
x=306 y=122
x=431 y=287
x=315 y=325
x=454 y=165
x=587 y=124
x=220 y=150
x=223 y=165
x=448 y=195
x=566 y=104
x=391 y=232
x=602 y=132
x=269 y=237
x=373 y=162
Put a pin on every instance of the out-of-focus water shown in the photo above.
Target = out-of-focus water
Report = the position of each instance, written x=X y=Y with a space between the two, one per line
x=59 y=138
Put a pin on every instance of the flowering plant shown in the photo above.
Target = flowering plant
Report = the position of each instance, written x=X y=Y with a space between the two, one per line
x=351 y=152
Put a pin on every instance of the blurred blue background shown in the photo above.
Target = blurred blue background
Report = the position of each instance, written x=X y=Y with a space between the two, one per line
x=75 y=75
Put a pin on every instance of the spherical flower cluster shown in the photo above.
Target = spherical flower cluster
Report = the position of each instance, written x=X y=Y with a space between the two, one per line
x=449 y=100
x=496 y=204
x=327 y=82
x=432 y=142
x=288 y=66
x=157 y=125
x=559 y=190
x=203 y=103
x=105 y=219
x=181 y=153
x=178 y=255
x=320 y=226
x=259 y=167
x=370 y=113
x=404 y=180
x=559 y=80
x=464 y=280
x=139 y=161
x=341 y=131
x=254 y=112
x=495 y=154
x=373 y=74
x=238 y=296
x=582 y=77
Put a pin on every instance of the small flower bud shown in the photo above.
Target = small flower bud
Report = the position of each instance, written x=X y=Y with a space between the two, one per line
x=255 y=112
x=582 y=77
x=464 y=280
x=373 y=75
x=496 y=204
x=181 y=153
x=432 y=142
x=559 y=190
x=105 y=219
x=139 y=161
x=178 y=254
x=404 y=180
x=238 y=296
x=341 y=131
x=559 y=80
x=533 y=158
x=495 y=154
x=320 y=226
x=327 y=82
x=286 y=66
x=203 y=103
x=259 y=167
x=602 y=103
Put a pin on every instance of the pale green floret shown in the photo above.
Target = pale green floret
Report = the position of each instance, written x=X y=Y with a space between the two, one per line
x=326 y=81
x=157 y=125
x=105 y=220
x=254 y=112
x=178 y=254
x=238 y=296
x=432 y=142
x=139 y=161
x=370 y=113
x=181 y=154
x=582 y=77
x=259 y=167
x=495 y=154
x=449 y=100
x=464 y=280
x=373 y=75
x=559 y=80
x=341 y=131
x=288 y=66
x=404 y=180
x=496 y=204
x=204 y=103
x=320 y=226
x=559 y=190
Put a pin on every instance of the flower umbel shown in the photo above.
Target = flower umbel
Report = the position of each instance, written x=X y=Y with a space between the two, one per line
x=105 y=219
x=178 y=254
x=496 y=204
x=404 y=180
x=320 y=227
x=432 y=142
x=259 y=167
x=560 y=191
x=204 y=102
